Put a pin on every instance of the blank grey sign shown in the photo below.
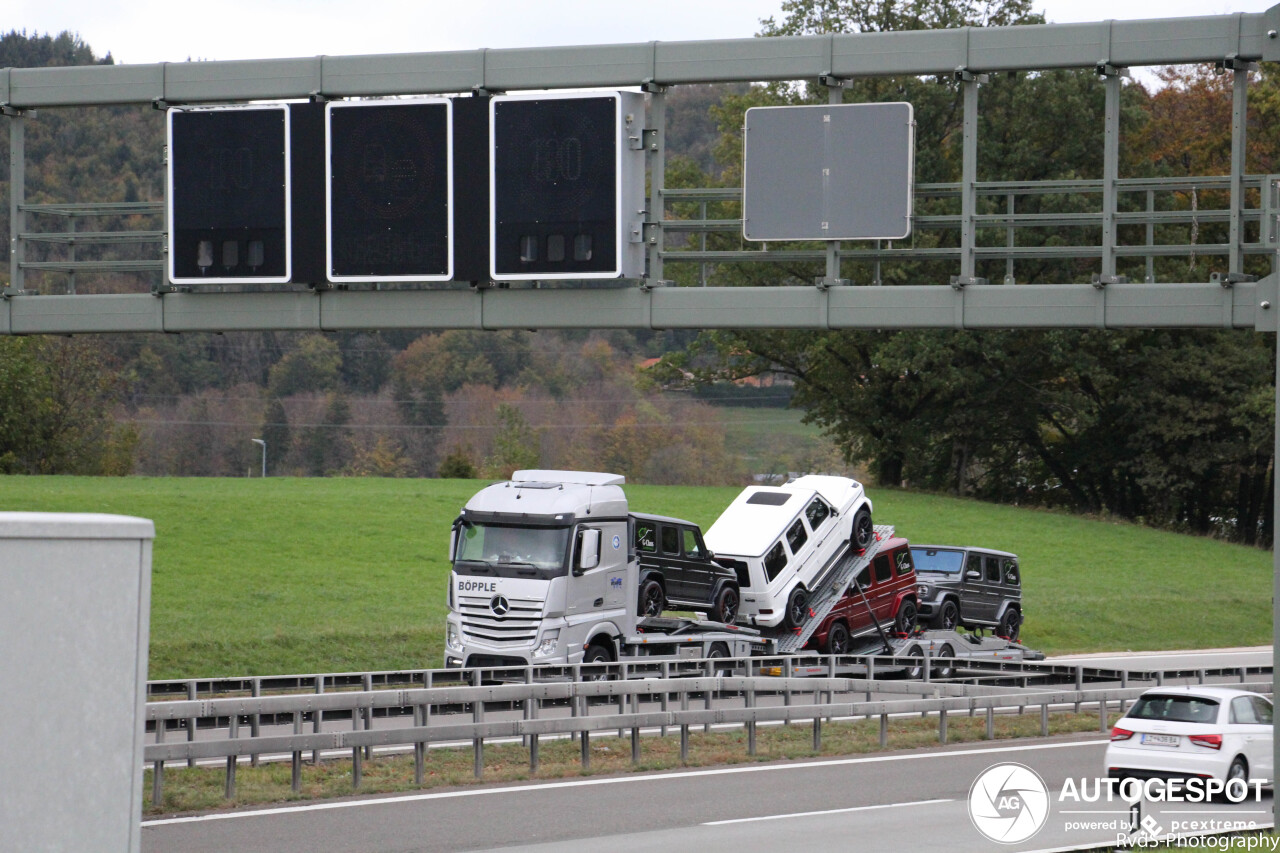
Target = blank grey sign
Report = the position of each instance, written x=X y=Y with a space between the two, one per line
x=833 y=172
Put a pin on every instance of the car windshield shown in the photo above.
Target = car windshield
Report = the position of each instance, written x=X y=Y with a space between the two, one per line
x=511 y=551
x=1179 y=709
x=937 y=560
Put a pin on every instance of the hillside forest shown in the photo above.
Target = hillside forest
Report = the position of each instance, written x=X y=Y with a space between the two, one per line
x=1168 y=428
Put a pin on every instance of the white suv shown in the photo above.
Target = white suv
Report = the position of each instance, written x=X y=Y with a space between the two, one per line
x=782 y=539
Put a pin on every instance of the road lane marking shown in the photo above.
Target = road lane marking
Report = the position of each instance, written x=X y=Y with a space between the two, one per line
x=612 y=780
x=826 y=811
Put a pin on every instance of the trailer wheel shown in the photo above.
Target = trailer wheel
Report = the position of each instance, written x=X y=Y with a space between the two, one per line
x=1010 y=624
x=914 y=670
x=864 y=531
x=838 y=639
x=726 y=607
x=948 y=616
x=906 y=621
x=717 y=651
x=797 y=607
x=652 y=599
x=948 y=669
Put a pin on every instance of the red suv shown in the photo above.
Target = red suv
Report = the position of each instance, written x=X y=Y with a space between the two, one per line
x=888 y=585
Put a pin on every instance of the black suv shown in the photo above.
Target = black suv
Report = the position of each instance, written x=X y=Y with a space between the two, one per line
x=677 y=569
x=970 y=587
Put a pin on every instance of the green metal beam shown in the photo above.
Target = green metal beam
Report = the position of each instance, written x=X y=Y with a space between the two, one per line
x=979 y=49
x=1185 y=305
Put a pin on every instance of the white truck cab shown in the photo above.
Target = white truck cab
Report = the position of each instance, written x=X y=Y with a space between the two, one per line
x=543 y=571
x=782 y=539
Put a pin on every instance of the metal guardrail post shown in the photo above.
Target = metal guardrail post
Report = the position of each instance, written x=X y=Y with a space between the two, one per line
x=230 y=791
x=991 y=723
x=317 y=719
x=192 y=692
x=635 y=730
x=296 y=758
x=684 y=728
x=1200 y=676
x=255 y=722
x=942 y=725
x=884 y=730
x=157 y=772
x=1044 y=719
x=817 y=734
x=357 y=754
x=1079 y=683
x=477 y=717
x=367 y=683
x=1103 y=728
x=751 y=723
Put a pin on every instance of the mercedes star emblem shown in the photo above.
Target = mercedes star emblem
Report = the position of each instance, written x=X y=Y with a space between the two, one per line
x=499 y=605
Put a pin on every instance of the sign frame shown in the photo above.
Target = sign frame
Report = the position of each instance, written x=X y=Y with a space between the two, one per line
x=288 y=199
x=628 y=164
x=450 y=205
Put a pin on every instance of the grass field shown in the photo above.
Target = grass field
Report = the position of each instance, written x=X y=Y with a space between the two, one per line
x=258 y=577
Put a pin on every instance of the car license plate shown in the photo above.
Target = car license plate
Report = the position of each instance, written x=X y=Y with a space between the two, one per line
x=1160 y=740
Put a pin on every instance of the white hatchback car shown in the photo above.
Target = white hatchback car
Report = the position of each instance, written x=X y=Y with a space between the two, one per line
x=781 y=540
x=1183 y=732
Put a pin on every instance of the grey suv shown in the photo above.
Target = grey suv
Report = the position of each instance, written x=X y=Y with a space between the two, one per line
x=969 y=587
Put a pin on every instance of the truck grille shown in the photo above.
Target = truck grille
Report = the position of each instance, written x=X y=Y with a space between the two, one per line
x=519 y=626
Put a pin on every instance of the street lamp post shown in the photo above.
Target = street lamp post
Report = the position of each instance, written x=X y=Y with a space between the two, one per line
x=264 y=454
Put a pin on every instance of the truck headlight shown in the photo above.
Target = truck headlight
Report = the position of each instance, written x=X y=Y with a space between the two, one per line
x=550 y=640
x=451 y=638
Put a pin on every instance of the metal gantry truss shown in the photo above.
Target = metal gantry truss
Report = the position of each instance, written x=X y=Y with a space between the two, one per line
x=1232 y=299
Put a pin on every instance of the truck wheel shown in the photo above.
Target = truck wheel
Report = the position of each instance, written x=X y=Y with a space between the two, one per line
x=948 y=616
x=864 y=532
x=838 y=639
x=726 y=607
x=906 y=621
x=597 y=656
x=1010 y=624
x=652 y=599
x=944 y=669
x=797 y=607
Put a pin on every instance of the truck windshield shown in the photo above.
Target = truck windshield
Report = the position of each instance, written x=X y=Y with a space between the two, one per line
x=937 y=560
x=510 y=551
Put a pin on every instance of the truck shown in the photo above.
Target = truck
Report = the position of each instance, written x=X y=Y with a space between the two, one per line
x=545 y=571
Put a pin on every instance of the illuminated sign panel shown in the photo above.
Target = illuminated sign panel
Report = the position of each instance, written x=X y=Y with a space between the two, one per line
x=390 y=184
x=566 y=186
x=229 y=195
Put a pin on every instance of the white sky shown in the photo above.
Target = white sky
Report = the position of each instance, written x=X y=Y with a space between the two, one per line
x=142 y=31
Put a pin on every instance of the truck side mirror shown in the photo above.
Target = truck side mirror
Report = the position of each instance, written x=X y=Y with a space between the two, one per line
x=589 y=550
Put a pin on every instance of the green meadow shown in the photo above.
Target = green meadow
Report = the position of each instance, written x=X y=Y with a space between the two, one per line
x=260 y=577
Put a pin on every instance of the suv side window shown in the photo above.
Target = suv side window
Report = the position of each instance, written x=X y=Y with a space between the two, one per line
x=691 y=546
x=993 y=569
x=646 y=537
x=882 y=568
x=903 y=560
x=973 y=563
x=1011 y=577
x=796 y=536
x=775 y=561
x=817 y=512
x=864 y=577
x=670 y=540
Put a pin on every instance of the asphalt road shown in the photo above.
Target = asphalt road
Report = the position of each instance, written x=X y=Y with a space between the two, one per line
x=914 y=801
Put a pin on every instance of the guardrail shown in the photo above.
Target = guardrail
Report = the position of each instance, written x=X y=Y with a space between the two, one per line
x=457 y=713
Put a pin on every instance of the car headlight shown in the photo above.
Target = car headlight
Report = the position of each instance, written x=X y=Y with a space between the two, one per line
x=451 y=638
x=550 y=641
x=923 y=590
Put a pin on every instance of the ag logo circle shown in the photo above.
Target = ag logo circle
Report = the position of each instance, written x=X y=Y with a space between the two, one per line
x=1008 y=803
